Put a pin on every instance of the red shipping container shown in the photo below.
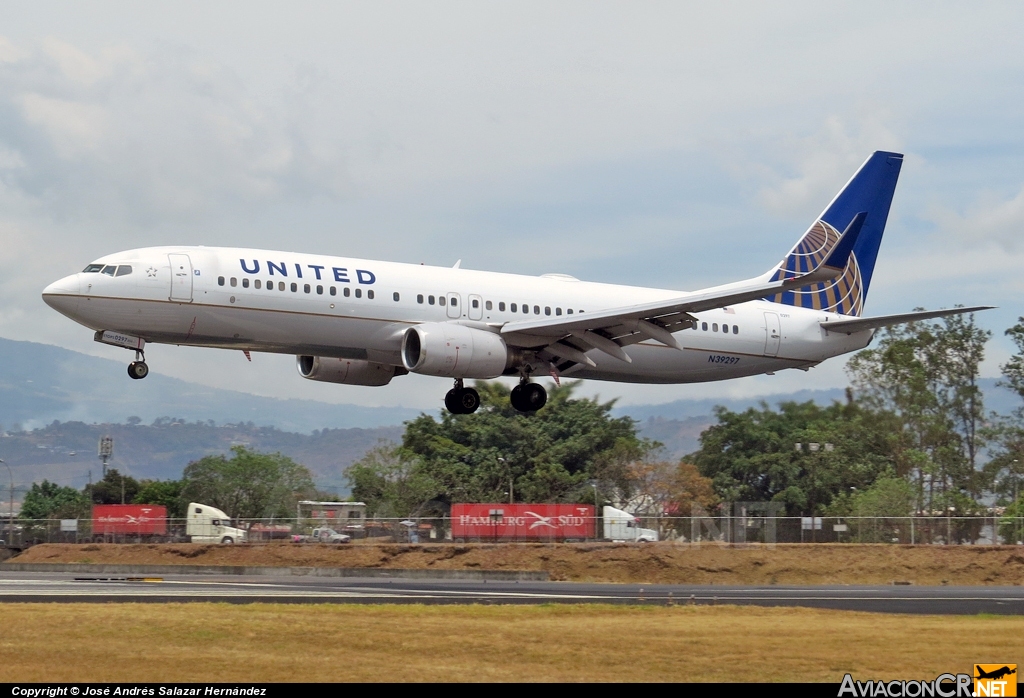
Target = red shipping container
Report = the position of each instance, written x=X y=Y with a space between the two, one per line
x=526 y=522
x=133 y=519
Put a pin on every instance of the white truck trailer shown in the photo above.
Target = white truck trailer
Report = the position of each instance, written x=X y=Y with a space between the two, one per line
x=622 y=527
x=206 y=524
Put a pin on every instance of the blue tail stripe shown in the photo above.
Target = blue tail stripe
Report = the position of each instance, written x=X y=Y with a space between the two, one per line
x=870 y=190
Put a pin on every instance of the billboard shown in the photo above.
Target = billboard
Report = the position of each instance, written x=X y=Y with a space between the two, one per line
x=523 y=522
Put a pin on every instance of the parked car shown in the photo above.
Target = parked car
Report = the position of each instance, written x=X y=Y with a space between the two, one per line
x=329 y=535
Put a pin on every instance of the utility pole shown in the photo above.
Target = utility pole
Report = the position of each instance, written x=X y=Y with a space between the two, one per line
x=511 y=482
x=106 y=451
x=10 y=512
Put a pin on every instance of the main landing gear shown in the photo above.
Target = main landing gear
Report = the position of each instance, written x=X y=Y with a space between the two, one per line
x=526 y=397
x=138 y=369
x=462 y=400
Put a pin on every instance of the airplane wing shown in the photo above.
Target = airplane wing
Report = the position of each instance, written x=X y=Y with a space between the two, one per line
x=872 y=323
x=609 y=330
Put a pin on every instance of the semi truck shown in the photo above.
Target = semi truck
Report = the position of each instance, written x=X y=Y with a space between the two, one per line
x=622 y=527
x=206 y=524
x=522 y=522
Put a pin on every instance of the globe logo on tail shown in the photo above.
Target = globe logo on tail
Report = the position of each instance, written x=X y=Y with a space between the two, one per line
x=843 y=295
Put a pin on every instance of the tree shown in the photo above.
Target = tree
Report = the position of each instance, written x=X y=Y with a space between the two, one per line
x=751 y=456
x=1013 y=370
x=48 y=500
x=925 y=376
x=113 y=489
x=249 y=485
x=163 y=492
x=551 y=455
x=661 y=488
x=390 y=484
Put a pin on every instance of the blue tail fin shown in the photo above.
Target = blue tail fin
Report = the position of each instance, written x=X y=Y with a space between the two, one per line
x=869 y=192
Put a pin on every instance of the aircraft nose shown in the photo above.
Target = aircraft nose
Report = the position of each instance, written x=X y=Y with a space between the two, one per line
x=62 y=295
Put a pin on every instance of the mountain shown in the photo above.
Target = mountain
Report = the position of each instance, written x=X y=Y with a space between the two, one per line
x=40 y=383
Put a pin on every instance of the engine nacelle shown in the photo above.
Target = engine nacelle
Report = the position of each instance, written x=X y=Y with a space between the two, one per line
x=454 y=351
x=347 y=371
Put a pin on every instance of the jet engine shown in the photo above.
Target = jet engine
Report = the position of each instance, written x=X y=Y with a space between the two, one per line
x=454 y=351
x=347 y=371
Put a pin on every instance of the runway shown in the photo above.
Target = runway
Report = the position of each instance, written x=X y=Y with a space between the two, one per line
x=70 y=588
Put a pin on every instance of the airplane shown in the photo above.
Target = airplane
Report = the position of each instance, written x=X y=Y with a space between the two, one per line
x=363 y=322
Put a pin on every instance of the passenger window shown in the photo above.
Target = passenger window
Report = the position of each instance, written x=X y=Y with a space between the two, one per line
x=346 y=292
x=234 y=282
x=220 y=280
x=124 y=270
x=419 y=298
x=515 y=308
x=526 y=309
x=109 y=270
x=245 y=283
x=501 y=306
x=92 y=268
x=536 y=310
x=295 y=287
x=714 y=327
x=440 y=300
x=430 y=300
x=280 y=285
x=369 y=294
x=704 y=326
x=558 y=311
x=319 y=290
x=488 y=305
x=257 y=283
x=334 y=291
x=725 y=328
x=395 y=296
x=306 y=288
x=735 y=329
x=359 y=293
x=547 y=310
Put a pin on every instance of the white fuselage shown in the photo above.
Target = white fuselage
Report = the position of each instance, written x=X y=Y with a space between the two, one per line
x=304 y=304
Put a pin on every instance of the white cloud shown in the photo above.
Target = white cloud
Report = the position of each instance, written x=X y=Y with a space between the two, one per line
x=815 y=167
x=990 y=219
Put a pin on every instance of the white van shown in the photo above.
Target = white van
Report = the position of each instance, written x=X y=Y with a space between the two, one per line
x=622 y=527
x=206 y=524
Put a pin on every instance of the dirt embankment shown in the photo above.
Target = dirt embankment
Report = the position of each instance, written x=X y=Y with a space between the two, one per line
x=599 y=562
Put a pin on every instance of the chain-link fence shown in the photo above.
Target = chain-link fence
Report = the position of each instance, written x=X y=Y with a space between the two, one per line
x=752 y=524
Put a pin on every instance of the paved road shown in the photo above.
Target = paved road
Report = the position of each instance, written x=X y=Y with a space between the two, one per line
x=66 y=587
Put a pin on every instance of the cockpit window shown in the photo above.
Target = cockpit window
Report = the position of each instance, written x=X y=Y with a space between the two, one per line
x=109 y=270
x=92 y=268
x=123 y=270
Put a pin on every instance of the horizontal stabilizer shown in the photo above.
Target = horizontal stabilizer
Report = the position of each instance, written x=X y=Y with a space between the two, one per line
x=873 y=323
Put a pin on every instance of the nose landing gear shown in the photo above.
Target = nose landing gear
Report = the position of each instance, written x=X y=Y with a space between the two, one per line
x=138 y=369
x=462 y=400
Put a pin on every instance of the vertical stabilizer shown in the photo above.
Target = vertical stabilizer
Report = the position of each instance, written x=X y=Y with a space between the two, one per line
x=869 y=192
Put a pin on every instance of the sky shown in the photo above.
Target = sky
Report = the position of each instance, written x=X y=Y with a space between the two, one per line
x=667 y=144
